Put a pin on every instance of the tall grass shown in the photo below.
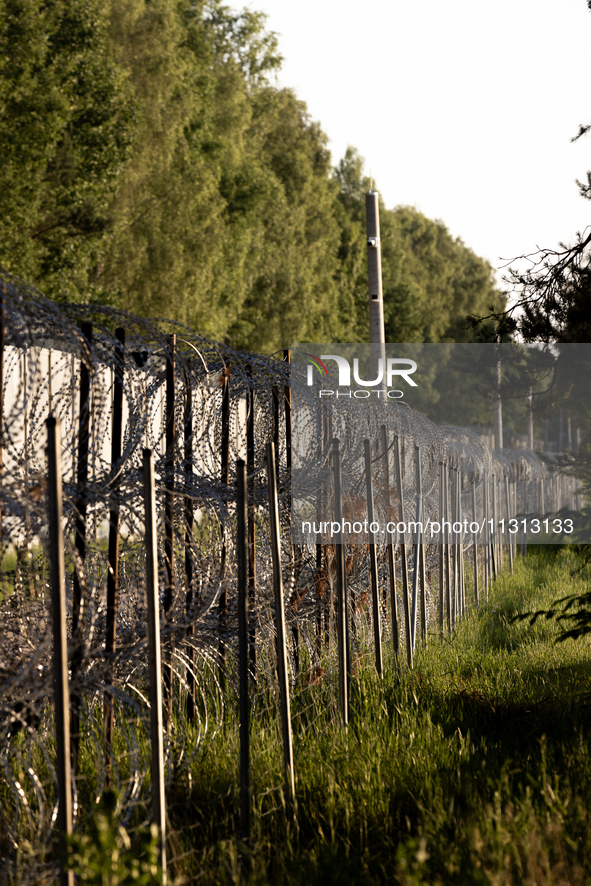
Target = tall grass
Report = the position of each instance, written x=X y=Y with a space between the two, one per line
x=475 y=768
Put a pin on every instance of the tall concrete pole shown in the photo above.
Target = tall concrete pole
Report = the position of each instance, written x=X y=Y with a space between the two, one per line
x=377 y=336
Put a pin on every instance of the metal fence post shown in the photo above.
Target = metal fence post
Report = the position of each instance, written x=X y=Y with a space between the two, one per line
x=280 y=627
x=475 y=544
x=373 y=560
x=485 y=508
x=154 y=659
x=225 y=478
x=114 y=518
x=343 y=615
x=441 y=551
x=403 y=563
x=422 y=564
x=80 y=536
x=169 y=487
x=508 y=504
x=252 y=563
x=494 y=543
x=418 y=585
x=448 y=547
x=242 y=554
x=390 y=548
x=60 y=641
x=189 y=541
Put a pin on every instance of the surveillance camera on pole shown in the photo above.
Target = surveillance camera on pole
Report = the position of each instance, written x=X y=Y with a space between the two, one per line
x=377 y=336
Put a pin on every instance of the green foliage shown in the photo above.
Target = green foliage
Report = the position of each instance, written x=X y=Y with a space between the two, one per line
x=105 y=855
x=472 y=769
x=150 y=162
x=571 y=612
x=439 y=276
x=225 y=210
x=67 y=126
x=552 y=298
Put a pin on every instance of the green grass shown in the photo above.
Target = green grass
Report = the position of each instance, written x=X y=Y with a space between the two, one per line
x=29 y=566
x=475 y=768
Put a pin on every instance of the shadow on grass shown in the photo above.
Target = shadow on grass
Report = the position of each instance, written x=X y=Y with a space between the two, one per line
x=557 y=704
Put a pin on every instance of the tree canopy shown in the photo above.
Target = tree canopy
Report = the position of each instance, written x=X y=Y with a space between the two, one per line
x=151 y=162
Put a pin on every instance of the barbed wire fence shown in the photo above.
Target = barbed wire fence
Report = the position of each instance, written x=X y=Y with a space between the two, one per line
x=120 y=384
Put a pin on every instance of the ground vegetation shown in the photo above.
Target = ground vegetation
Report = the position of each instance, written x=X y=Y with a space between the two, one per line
x=474 y=768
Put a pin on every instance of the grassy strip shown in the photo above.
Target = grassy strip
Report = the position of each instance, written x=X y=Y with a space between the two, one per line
x=476 y=768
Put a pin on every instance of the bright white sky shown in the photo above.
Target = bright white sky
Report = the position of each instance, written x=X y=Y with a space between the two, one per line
x=463 y=108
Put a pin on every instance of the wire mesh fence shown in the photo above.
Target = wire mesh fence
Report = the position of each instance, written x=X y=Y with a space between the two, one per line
x=120 y=384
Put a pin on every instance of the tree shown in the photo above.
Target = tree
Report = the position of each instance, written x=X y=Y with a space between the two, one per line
x=552 y=303
x=151 y=163
x=442 y=278
x=225 y=212
x=293 y=291
x=552 y=298
x=67 y=127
